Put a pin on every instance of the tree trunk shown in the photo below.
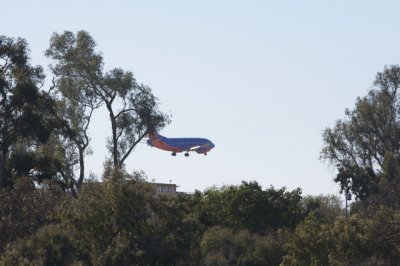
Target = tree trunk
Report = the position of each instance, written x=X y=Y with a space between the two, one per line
x=3 y=178
x=81 y=168
x=114 y=136
x=133 y=146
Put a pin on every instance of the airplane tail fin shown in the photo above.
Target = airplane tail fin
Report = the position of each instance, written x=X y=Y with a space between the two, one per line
x=153 y=135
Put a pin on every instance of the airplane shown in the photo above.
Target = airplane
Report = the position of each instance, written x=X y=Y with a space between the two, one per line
x=179 y=144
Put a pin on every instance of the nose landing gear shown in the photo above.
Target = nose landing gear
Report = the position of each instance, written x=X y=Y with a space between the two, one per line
x=173 y=154
x=187 y=154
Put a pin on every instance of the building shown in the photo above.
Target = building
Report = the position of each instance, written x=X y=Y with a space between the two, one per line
x=165 y=188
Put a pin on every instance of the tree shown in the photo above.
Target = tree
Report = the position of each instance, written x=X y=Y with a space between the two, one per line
x=107 y=221
x=120 y=221
x=26 y=114
x=50 y=245
x=358 y=145
x=24 y=209
x=325 y=208
x=367 y=239
x=250 y=207
x=310 y=244
x=76 y=108
x=132 y=107
x=224 y=246
x=172 y=234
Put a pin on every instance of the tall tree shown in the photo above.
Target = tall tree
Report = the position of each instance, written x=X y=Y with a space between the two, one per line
x=26 y=113
x=76 y=108
x=358 y=144
x=132 y=107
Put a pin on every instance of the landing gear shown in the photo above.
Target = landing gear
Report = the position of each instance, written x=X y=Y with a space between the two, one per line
x=205 y=154
x=173 y=154
x=187 y=154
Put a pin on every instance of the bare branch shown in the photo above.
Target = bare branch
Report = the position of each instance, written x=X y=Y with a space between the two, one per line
x=133 y=145
x=125 y=111
x=53 y=81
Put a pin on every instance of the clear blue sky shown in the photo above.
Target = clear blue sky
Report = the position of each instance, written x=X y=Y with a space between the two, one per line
x=261 y=79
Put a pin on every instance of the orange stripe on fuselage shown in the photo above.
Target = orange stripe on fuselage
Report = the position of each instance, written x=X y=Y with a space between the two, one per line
x=164 y=146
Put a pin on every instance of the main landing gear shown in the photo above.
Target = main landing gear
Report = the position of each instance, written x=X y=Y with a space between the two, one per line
x=174 y=154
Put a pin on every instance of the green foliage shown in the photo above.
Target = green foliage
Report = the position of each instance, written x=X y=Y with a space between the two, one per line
x=389 y=183
x=382 y=224
x=310 y=244
x=325 y=208
x=368 y=239
x=358 y=145
x=224 y=246
x=248 y=206
x=24 y=209
x=122 y=222
x=26 y=114
x=365 y=148
x=107 y=219
x=132 y=107
x=48 y=246
x=173 y=232
x=76 y=105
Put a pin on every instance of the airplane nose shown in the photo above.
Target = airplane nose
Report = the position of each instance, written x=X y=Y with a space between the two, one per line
x=212 y=145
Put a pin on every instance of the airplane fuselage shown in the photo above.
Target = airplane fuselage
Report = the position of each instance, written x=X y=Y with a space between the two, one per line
x=199 y=145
